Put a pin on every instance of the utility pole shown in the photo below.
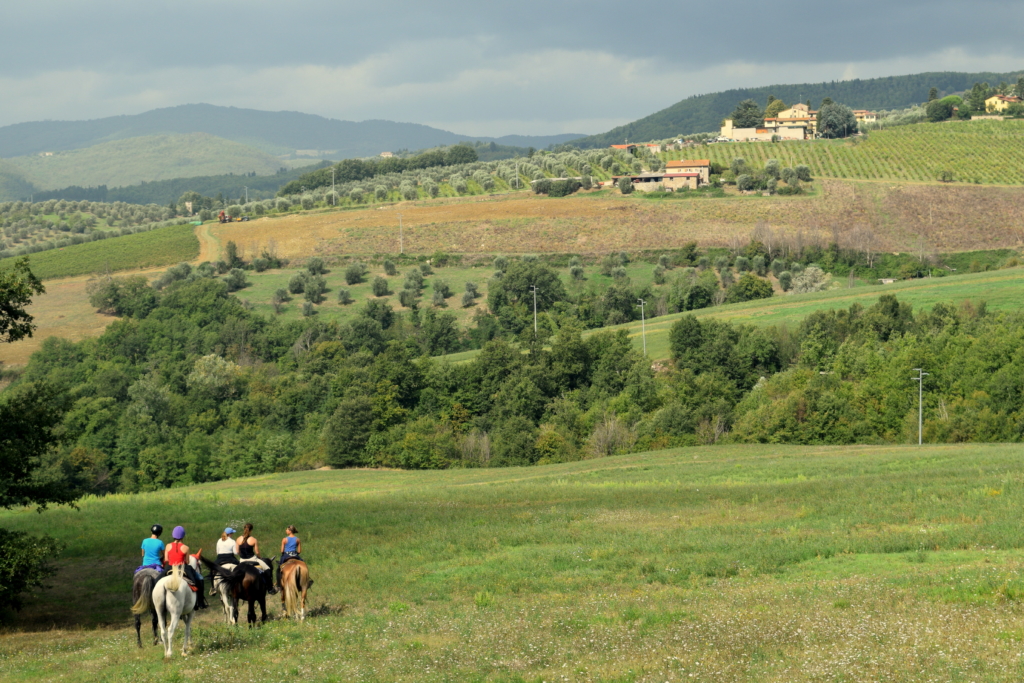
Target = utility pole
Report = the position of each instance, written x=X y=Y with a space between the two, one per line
x=643 y=323
x=246 y=195
x=334 y=195
x=517 y=173
x=921 y=374
x=534 y=288
x=401 y=236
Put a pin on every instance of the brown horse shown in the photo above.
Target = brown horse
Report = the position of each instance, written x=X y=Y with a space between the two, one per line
x=244 y=582
x=142 y=601
x=295 y=583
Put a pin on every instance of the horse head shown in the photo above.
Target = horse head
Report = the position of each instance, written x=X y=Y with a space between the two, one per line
x=195 y=559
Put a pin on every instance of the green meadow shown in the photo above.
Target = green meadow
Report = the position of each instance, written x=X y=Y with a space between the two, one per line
x=727 y=563
x=158 y=247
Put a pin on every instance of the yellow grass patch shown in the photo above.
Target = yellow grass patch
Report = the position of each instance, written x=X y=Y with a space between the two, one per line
x=899 y=215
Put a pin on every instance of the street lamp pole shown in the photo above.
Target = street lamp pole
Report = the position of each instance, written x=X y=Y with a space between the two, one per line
x=643 y=323
x=534 y=288
x=921 y=374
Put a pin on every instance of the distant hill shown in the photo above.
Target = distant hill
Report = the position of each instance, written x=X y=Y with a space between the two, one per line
x=277 y=133
x=126 y=162
x=704 y=113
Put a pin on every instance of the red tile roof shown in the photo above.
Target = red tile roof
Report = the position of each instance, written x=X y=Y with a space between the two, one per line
x=686 y=163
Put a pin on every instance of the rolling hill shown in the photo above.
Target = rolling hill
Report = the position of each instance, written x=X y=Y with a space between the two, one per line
x=129 y=161
x=275 y=133
x=725 y=563
x=704 y=113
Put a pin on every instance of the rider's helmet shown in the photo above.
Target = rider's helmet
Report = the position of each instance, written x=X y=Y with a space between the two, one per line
x=156 y=529
x=178 y=533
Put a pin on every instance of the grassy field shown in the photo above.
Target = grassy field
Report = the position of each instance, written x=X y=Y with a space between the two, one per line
x=1001 y=290
x=159 y=247
x=130 y=161
x=723 y=563
x=975 y=152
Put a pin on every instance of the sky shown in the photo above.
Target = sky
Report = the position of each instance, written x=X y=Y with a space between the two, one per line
x=476 y=68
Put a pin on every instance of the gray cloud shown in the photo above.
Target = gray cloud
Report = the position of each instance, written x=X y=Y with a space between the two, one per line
x=494 y=68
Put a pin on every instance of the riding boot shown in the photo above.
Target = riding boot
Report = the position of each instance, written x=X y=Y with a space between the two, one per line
x=201 y=595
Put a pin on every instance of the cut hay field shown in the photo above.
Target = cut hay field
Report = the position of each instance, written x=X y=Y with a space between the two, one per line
x=901 y=217
x=983 y=152
x=728 y=563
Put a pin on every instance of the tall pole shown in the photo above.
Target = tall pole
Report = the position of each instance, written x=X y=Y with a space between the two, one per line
x=534 y=287
x=246 y=195
x=643 y=324
x=921 y=374
x=517 y=173
x=401 y=236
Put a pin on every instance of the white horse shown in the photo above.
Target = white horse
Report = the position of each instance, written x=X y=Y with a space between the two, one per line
x=175 y=600
x=223 y=589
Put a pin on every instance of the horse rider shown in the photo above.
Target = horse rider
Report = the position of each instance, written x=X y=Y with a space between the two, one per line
x=177 y=554
x=291 y=546
x=226 y=554
x=153 y=551
x=249 y=551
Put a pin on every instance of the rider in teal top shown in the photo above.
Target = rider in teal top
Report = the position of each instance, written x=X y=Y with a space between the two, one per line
x=153 y=550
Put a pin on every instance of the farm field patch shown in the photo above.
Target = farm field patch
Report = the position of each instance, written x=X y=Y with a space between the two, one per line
x=728 y=563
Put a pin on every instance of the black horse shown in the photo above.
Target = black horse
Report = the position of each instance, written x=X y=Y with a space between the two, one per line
x=244 y=582
x=142 y=601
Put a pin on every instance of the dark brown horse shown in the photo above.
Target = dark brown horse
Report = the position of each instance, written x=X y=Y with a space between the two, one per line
x=244 y=582
x=142 y=601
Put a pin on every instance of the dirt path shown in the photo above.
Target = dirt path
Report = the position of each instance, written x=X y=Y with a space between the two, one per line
x=209 y=247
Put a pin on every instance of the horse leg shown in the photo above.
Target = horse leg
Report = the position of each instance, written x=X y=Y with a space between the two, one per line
x=234 y=610
x=252 y=612
x=156 y=636
x=263 y=609
x=171 y=628
x=138 y=629
x=159 y=602
x=188 y=633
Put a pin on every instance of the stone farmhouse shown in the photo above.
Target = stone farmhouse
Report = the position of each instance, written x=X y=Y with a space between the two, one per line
x=702 y=167
x=799 y=122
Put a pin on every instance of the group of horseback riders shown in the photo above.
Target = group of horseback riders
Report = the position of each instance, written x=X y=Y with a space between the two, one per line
x=157 y=556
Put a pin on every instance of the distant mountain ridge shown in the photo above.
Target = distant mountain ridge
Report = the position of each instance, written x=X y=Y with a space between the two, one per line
x=704 y=113
x=276 y=133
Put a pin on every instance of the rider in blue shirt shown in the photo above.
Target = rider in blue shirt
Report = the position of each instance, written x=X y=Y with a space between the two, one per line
x=153 y=550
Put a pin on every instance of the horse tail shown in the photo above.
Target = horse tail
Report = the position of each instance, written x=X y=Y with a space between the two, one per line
x=175 y=578
x=145 y=602
x=289 y=579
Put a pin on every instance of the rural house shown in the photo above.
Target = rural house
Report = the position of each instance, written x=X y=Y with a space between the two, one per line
x=702 y=167
x=664 y=180
x=999 y=103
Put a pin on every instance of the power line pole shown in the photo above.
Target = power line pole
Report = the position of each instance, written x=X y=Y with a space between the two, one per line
x=921 y=374
x=401 y=236
x=643 y=323
x=246 y=195
x=534 y=288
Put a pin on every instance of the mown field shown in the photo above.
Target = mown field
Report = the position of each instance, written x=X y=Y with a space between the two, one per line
x=723 y=563
x=1001 y=290
x=983 y=152
x=159 y=247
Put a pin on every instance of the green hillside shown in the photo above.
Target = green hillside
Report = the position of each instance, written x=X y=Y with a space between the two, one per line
x=984 y=152
x=704 y=113
x=158 y=247
x=735 y=563
x=125 y=162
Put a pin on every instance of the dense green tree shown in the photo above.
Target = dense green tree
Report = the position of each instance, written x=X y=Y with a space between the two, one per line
x=747 y=115
x=836 y=121
x=17 y=285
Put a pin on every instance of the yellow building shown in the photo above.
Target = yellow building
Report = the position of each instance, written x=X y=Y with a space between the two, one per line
x=702 y=167
x=999 y=103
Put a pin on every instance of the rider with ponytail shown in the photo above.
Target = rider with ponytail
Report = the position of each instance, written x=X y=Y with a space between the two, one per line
x=291 y=546
x=249 y=551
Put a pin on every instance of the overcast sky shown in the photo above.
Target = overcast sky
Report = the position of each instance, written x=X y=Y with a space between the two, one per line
x=477 y=68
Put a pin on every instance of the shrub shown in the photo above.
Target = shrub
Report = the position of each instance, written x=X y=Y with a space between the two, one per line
x=759 y=266
x=282 y=294
x=745 y=182
x=472 y=289
x=307 y=309
x=426 y=269
x=748 y=288
x=380 y=192
x=297 y=284
x=407 y=298
x=315 y=266
x=236 y=280
x=619 y=273
x=355 y=273
x=742 y=264
x=307 y=201
x=442 y=287
x=576 y=272
x=344 y=297
x=785 y=280
x=414 y=280
x=468 y=300
x=438 y=299
x=813 y=279
x=501 y=263
x=721 y=263
x=803 y=173
x=625 y=185
x=260 y=264
x=356 y=194
x=315 y=288
x=380 y=286
x=659 y=275
x=390 y=268
x=778 y=265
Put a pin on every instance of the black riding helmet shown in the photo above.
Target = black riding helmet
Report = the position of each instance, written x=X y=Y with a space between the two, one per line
x=156 y=530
